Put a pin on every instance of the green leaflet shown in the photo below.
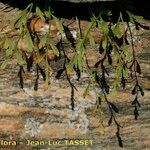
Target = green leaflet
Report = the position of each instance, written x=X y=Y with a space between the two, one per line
x=115 y=86
x=39 y=13
x=9 y=51
x=40 y=58
x=28 y=41
x=59 y=25
x=127 y=52
x=88 y=29
x=43 y=41
x=118 y=29
x=72 y=62
x=133 y=17
x=55 y=49
x=103 y=25
x=9 y=47
x=22 y=20
x=86 y=91
x=104 y=42
x=80 y=51
x=75 y=61
x=80 y=46
x=80 y=61
x=4 y=64
x=19 y=58
x=48 y=12
x=7 y=43
x=47 y=9
x=91 y=39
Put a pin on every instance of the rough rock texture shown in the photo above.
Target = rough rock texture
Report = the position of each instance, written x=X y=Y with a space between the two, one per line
x=46 y=114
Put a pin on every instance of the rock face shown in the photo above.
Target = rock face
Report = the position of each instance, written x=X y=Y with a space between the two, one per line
x=46 y=115
x=36 y=119
x=51 y=105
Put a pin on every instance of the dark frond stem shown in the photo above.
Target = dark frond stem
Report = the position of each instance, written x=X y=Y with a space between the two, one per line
x=112 y=109
x=69 y=36
x=119 y=137
x=37 y=78
x=79 y=27
x=133 y=53
x=20 y=74
x=114 y=119
x=136 y=68
x=42 y=72
x=73 y=88
x=29 y=63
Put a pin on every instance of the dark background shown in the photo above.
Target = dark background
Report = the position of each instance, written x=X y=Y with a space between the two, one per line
x=70 y=10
